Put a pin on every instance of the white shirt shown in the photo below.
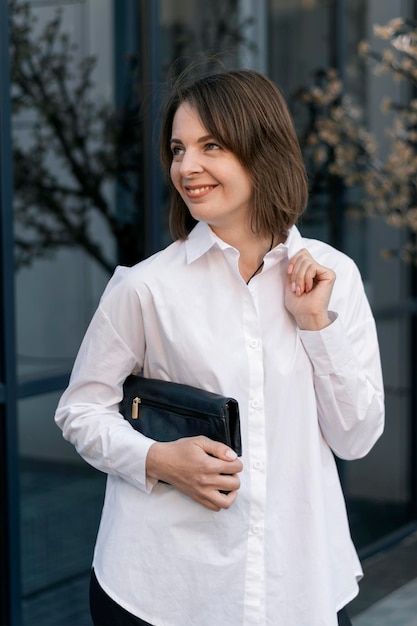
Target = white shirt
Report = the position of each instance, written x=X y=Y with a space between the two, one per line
x=282 y=554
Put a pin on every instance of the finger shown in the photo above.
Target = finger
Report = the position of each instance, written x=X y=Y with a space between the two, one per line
x=217 y=449
x=314 y=273
x=226 y=499
x=214 y=470
x=296 y=270
x=215 y=492
x=302 y=277
x=310 y=274
x=306 y=273
x=299 y=263
x=219 y=500
x=301 y=254
x=223 y=484
x=229 y=482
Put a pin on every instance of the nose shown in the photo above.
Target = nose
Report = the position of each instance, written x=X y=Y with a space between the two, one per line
x=190 y=163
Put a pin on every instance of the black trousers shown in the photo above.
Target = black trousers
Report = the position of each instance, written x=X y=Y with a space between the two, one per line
x=106 y=612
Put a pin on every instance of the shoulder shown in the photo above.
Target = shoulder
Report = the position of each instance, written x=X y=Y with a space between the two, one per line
x=348 y=297
x=327 y=255
x=348 y=292
x=324 y=252
x=159 y=266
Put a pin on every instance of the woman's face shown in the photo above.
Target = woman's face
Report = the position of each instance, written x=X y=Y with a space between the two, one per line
x=210 y=179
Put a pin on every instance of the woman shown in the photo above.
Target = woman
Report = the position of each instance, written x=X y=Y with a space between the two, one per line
x=242 y=305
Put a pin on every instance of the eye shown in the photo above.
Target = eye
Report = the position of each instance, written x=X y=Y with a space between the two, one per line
x=212 y=146
x=176 y=150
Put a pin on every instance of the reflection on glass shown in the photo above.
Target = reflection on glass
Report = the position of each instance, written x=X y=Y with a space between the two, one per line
x=60 y=503
x=301 y=42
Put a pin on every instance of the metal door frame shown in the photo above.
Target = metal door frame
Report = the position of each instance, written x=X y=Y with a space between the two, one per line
x=10 y=593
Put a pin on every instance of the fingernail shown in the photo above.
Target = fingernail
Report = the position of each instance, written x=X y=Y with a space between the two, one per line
x=231 y=454
x=293 y=286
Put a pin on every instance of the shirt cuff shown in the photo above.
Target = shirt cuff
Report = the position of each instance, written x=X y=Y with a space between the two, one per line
x=329 y=349
x=128 y=458
x=149 y=483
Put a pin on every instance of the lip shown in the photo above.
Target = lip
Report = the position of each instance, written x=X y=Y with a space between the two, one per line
x=198 y=191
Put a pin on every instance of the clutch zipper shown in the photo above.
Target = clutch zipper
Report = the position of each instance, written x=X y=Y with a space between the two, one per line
x=137 y=401
x=135 y=407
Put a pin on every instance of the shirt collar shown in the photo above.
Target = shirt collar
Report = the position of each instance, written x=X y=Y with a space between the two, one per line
x=201 y=239
x=293 y=243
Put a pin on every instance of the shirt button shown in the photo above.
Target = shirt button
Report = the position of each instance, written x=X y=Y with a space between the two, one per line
x=257 y=465
x=256 y=530
x=255 y=404
x=253 y=343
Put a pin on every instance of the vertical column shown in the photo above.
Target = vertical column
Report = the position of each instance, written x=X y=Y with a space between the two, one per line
x=153 y=185
x=256 y=33
x=9 y=492
x=413 y=355
x=337 y=58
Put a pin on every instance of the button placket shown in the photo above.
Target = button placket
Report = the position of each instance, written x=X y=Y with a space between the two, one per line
x=255 y=582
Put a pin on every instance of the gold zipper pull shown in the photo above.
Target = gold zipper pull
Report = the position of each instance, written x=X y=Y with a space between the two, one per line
x=135 y=408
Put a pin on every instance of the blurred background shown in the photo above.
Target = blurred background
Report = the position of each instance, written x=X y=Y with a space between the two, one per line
x=81 y=84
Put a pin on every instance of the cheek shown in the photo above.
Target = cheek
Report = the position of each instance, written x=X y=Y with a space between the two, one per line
x=172 y=171
x=244 y=185
x=174 y=174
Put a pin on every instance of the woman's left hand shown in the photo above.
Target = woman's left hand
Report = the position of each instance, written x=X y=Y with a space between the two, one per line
x=308 y=290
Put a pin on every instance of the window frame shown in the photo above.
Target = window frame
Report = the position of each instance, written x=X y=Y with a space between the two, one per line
x=10 y=592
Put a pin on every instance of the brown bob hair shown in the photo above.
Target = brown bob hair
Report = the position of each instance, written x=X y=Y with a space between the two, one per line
x=245 y=112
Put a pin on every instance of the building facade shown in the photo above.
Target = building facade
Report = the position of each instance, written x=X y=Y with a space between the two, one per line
x=50 y=499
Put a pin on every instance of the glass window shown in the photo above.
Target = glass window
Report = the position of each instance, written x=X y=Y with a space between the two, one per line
x=201 y=33
x=378 y=487
x=299 y=46
x=298 y=41
x=58 y=286
x=61 y=500
x=302 y=42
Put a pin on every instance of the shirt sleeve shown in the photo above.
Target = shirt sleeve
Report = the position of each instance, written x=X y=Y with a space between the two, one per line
x=87 y=413
x=347 y=372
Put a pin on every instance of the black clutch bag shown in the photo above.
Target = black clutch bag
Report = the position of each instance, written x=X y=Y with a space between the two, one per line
x=167 y=411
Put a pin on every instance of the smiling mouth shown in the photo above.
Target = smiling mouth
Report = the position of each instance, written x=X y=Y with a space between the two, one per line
x=198 y=191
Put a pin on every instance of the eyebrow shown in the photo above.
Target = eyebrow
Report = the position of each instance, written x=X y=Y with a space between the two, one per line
x=199 y=140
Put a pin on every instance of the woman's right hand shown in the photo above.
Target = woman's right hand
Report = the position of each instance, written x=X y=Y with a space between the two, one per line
x=203 y=469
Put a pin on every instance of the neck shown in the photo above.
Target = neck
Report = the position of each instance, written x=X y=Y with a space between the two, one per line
x=252 y=248
x=251 y=257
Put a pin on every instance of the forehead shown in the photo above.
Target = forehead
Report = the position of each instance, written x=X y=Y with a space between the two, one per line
x=187 y=120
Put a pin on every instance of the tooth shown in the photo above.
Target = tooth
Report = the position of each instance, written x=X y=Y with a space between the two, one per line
x=199 y=190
